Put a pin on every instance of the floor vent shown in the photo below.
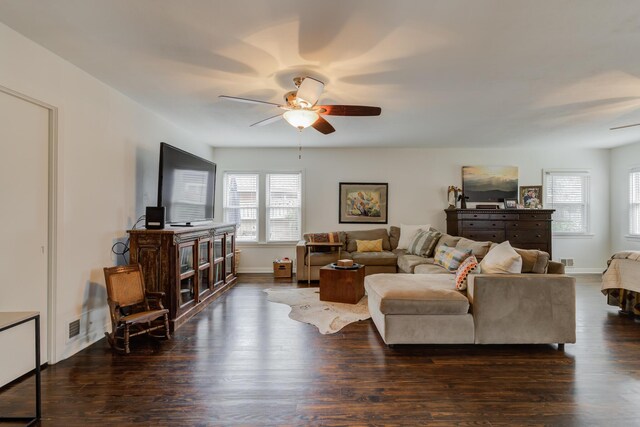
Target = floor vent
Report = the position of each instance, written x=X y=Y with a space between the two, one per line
x=74 y=328
x=567 y=262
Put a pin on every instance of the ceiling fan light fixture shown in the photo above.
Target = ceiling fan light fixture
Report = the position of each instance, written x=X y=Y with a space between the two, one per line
x=301 y=119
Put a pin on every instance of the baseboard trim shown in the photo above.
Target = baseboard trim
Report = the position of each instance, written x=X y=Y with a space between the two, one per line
x=258 y=270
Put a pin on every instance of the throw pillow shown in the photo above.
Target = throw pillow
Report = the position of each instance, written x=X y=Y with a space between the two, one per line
x=479 y=249
x=369 y=245
x=502 y=259
x=451 y=258
x=424 y=242
x=333 y=237
x=407 y=232
x=467 y=266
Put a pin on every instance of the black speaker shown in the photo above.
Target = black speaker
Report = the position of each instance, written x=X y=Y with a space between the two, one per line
x=154 y=218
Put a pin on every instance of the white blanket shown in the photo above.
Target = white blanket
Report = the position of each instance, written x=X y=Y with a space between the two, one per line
x=623 y=272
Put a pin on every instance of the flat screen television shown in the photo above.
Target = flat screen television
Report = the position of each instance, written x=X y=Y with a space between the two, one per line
x=186 y=186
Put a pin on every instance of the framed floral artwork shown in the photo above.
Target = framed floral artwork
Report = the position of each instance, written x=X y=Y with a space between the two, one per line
x=363 y=203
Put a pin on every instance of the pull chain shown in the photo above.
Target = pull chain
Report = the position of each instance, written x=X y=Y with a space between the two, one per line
x=300 y=145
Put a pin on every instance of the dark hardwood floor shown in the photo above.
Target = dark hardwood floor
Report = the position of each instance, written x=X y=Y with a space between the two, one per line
x=242 y=361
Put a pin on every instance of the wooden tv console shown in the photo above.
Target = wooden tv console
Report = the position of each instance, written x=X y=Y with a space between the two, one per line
x=191 y=265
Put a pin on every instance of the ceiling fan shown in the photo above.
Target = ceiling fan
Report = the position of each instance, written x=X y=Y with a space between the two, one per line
x=301 y=110
x=625 y=126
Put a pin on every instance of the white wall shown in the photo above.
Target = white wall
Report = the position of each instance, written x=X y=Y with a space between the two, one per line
x=108 y=167
x=622 y=159
x=418 y=180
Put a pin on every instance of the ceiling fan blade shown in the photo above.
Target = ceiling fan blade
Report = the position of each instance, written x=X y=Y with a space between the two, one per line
x=309 y=91
x=323 y=126
x=267 y=121
x=349 y=110
x=247 y=100
x=625 y=126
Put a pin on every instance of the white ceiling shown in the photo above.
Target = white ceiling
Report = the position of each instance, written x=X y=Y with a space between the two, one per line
x=446 y=73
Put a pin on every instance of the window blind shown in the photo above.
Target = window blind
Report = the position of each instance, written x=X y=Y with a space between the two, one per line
x=634 y=202
x=283 y=207
x=568 y=193
x=241 y=204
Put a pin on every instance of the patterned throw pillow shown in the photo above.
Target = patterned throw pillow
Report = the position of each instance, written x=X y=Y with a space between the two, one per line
x=467 y=266
x=369 y=245
x=451 y=258
x=332 y=237
x=424 y=242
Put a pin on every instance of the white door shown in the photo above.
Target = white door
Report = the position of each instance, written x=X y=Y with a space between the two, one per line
x=24 y=146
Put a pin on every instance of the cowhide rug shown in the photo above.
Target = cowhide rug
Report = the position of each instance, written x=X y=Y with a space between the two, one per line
x=328 y=317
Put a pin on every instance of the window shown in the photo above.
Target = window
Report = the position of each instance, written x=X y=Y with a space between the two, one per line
x=241 y=204
x=634 y=202
x=274 y=217
x=284 y=203
x=568 y=193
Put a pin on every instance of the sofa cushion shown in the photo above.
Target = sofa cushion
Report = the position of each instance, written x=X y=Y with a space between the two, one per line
x=430 y=268
x=394 y=237
x=450 y=258
x=324 y=258
x=424 y=242
x=407 y=233
x=478 y=249
x=411 y=294
x=502 y=259
x=375 y=258
x=407 y=262
x=369 y=245
x=375 y=234
x=533 y=260
x=447 y=240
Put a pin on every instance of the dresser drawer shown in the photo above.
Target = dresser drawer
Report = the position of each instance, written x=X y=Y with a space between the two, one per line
x=507 y=216
x=469 y=215
x=528 y=236
x=484 y=235
x=534 y=215
x=537 y=225
x=482 y=224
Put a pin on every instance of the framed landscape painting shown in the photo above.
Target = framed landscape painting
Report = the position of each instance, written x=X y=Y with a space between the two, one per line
x=363 y=203
x=490 y=183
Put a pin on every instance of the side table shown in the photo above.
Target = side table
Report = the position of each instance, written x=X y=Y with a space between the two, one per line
x=341 y=285
x=9 y=320
x=309 y=245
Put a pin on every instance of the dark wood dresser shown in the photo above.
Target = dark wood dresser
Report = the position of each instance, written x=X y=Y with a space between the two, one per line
x=523 y=228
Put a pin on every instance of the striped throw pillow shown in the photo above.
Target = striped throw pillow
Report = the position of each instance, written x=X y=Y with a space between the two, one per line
x=424 y=242
x=369 y=245
x=451 y=258
x=467 y=266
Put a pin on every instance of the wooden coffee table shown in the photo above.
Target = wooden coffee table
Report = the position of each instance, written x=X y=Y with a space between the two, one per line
x=339 y=285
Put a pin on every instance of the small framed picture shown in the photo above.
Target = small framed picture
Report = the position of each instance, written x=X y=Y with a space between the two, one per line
x=510 y=203
x=531 y=196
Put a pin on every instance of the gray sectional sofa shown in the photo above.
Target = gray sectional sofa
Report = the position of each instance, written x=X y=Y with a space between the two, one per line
x=412 y=300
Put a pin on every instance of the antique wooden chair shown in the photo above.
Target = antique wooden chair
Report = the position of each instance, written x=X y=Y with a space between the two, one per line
x=129 y=306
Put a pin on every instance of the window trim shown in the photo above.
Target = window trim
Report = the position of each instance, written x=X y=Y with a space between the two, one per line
x=630 y=234
x=262 y=205
x=587 y=195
